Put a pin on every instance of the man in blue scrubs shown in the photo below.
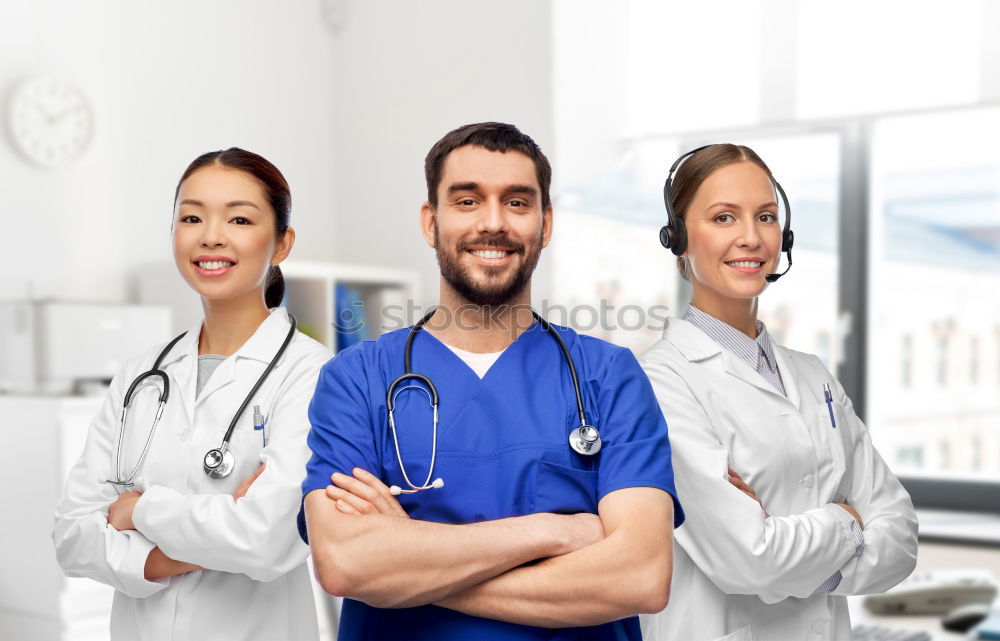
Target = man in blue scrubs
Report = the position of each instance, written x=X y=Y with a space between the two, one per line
x=526 y=538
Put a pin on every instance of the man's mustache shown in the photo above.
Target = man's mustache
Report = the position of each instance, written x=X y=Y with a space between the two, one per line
x=492 y=243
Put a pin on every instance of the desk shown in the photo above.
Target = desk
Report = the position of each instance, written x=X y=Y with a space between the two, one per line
x=931 y=557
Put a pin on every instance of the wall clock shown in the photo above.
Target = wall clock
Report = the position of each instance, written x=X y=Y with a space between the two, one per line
x=50 y=120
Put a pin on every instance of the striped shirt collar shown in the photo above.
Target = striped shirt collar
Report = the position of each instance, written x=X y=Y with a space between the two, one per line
x=749 y=350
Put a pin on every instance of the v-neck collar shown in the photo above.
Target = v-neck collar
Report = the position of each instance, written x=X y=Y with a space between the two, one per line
x=444 y=348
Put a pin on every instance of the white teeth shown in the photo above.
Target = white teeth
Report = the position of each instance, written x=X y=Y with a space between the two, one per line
x=214 y=264
x=746 y=264
x=482 y=253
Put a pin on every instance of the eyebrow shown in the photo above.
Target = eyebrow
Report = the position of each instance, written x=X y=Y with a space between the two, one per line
x=735 y=206
x=521 y=189
x=511 y=189
x=232 y=203
x=468 y=186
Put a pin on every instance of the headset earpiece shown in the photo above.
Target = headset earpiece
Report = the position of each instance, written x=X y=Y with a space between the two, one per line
x=787 y=240
x=666 y=237
x=673 y=236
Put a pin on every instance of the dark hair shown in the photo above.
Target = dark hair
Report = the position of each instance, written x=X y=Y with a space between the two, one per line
x=275 y=188
x=495 y=136
x=693 y=172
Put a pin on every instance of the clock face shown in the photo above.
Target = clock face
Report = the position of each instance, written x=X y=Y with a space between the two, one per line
x=50 y=121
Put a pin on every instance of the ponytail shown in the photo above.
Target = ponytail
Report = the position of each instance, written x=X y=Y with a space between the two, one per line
x=274 y=288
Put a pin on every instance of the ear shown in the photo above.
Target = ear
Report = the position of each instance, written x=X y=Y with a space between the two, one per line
x=428 y=216
x=283 y=247
x=546 y=226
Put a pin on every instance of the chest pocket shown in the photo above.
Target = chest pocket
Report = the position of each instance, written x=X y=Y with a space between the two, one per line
x=837 y=440
x=565 y=490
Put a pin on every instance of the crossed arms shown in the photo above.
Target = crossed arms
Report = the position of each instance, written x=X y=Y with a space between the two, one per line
x=619 y=562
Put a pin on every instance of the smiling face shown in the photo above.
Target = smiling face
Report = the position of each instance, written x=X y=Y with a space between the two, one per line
x=734 y=237
x=224 y=237
x=489 y=226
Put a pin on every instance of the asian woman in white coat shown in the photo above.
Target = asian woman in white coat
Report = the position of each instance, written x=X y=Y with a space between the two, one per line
x=191 y=556
x=789 y=507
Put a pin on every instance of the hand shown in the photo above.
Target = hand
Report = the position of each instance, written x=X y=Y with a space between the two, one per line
x=160 y=566
x=363 y=493
x=576 y=530
x=742 y=486
x=853 y=512
x=120 y=512
x=241 y=491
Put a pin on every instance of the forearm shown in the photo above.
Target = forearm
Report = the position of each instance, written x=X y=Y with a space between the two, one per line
x=254 y=536
x=889 y=556
x=90 y=547
x=624 y=574
x=890 y=534
x=160 y=566
x=597 y=584
x=393 y=562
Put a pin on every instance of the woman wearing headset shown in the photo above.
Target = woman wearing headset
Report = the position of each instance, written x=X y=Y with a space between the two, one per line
x=789 y=507
x=193 y=522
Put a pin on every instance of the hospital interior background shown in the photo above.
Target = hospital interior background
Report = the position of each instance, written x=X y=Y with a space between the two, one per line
x=886 y=148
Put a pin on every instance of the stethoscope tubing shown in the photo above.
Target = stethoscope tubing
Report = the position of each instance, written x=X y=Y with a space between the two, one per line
x=260 y=381
x=432 y=394
x=155 y=371
x=164 y=395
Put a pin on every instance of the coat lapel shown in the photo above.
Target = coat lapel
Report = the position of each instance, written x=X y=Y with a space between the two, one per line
x=181 y=365
x=736 y=366
x=698 y=346
x=259 y=349
x=789 y=377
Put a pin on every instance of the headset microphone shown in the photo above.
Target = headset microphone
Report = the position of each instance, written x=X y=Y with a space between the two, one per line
x=773 y=277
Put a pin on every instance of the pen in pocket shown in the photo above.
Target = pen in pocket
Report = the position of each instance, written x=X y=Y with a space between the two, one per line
x=258 y=424
x=829 y=403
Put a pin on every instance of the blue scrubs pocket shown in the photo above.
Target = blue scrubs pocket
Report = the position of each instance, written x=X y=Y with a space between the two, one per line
x=564 y=489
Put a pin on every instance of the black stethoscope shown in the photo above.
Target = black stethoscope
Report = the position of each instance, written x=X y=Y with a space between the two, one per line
x=585 y=439
x=218 y=461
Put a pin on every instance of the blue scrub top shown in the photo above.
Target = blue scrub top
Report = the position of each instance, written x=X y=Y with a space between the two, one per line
x=503 y=450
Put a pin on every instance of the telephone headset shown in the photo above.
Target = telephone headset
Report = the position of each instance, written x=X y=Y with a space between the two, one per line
x=673 y=235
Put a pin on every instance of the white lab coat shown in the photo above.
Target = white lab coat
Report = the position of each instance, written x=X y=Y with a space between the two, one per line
x=257 y=584
x=740 y=576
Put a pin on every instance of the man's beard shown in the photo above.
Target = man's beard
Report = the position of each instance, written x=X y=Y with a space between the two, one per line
x=493 y=292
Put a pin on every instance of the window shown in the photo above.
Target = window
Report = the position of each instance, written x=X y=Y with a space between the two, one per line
x=974 y=360
x=942 y=359
x=906 y=361
x=823 y=347
x=603 y=291
x=934 y=261
x=911 y=456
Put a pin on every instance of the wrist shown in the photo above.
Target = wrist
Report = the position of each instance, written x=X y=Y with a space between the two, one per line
x=545 y=535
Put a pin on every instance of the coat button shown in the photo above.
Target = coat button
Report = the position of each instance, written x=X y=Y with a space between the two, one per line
x=807 y=480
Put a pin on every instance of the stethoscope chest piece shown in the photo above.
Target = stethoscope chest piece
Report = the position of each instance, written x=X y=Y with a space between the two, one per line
x=219 y=462
x=585 y=440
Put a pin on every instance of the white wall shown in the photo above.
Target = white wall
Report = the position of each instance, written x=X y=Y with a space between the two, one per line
x=167 y=81
x=347 y=115
x=407 y=73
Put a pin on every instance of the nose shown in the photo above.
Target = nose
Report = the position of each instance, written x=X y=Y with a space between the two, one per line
x=492 y=218
x=212 y=233
x=749 y=234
